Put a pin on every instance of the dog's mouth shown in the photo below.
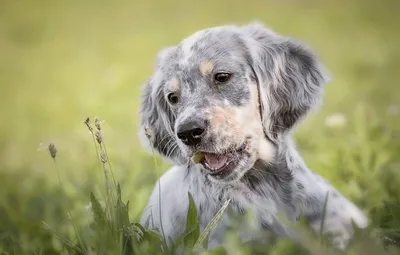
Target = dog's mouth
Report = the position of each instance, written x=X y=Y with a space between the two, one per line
x=221 y=165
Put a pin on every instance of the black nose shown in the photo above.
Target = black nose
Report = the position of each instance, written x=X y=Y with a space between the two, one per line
x=190 y=133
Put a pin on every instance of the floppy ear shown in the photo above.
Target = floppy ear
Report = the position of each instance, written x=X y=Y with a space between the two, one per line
x=290 y=78
x=156 y=118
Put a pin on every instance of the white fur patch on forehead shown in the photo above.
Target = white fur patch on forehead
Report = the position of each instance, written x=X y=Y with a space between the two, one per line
x=255 y=27
x=187 y=45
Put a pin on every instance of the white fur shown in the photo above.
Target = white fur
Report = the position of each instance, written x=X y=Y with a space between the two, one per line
x=178 y=181
x=270 y=177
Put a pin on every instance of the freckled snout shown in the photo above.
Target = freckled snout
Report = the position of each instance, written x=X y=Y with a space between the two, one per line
x=191 y=132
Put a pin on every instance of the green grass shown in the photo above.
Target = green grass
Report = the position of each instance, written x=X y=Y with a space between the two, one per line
x=61 y=61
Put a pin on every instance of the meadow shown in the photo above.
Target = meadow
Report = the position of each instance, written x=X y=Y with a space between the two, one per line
x=64 y=61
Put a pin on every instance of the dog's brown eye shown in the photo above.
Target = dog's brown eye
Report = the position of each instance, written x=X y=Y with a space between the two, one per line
x=172 y=98
x=222 y=77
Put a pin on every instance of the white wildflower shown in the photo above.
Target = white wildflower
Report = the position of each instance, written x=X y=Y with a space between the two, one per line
x=393 y=110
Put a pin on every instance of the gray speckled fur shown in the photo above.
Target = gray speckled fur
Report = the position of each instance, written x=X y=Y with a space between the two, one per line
x=289 y=82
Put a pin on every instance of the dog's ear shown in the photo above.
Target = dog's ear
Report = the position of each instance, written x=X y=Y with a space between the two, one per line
x=290 y=78
x=156 y=118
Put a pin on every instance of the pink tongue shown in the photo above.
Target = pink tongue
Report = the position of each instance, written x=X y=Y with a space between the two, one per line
x=216 y=161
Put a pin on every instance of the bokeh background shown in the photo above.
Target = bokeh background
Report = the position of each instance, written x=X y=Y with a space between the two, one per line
x=61 y=61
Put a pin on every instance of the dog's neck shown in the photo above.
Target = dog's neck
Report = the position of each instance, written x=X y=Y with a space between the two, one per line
x=277 y=173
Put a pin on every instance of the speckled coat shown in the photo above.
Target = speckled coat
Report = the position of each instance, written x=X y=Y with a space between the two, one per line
x=274 y=81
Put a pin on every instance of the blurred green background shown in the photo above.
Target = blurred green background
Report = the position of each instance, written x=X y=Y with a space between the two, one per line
x=61 y=61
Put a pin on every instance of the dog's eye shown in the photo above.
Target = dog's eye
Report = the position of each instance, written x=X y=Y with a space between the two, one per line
x=172 y=98
x=222 y=77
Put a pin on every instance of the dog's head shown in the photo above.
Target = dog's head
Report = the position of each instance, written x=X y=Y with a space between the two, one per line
x=230 y=93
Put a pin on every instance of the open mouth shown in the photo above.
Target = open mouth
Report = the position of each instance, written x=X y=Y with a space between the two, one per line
x=221 y=165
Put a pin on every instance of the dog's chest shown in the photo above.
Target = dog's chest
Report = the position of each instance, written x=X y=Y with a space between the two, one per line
x=262 y=209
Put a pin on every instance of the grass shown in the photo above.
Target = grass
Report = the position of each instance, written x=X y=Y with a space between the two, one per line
x=61 y=61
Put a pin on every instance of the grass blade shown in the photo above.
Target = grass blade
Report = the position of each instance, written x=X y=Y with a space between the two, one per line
x=98 y=213
x=192 y=224
x=321 y=230
x=211 y=225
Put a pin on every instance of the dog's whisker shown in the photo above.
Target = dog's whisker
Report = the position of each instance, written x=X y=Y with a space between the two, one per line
x=169 y=144
x=165 y=146
x=159 y=143
x=172 y=150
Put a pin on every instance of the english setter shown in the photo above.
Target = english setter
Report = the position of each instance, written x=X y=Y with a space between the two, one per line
x=229 y=97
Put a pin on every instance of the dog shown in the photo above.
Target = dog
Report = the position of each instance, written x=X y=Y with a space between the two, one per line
x=232 y=94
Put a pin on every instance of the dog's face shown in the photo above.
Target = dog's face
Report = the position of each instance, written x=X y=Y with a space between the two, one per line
x=229 y=93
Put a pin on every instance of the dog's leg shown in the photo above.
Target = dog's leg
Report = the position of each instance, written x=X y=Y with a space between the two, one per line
x=169 y=217
x=324 y=207
x=320 y=202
